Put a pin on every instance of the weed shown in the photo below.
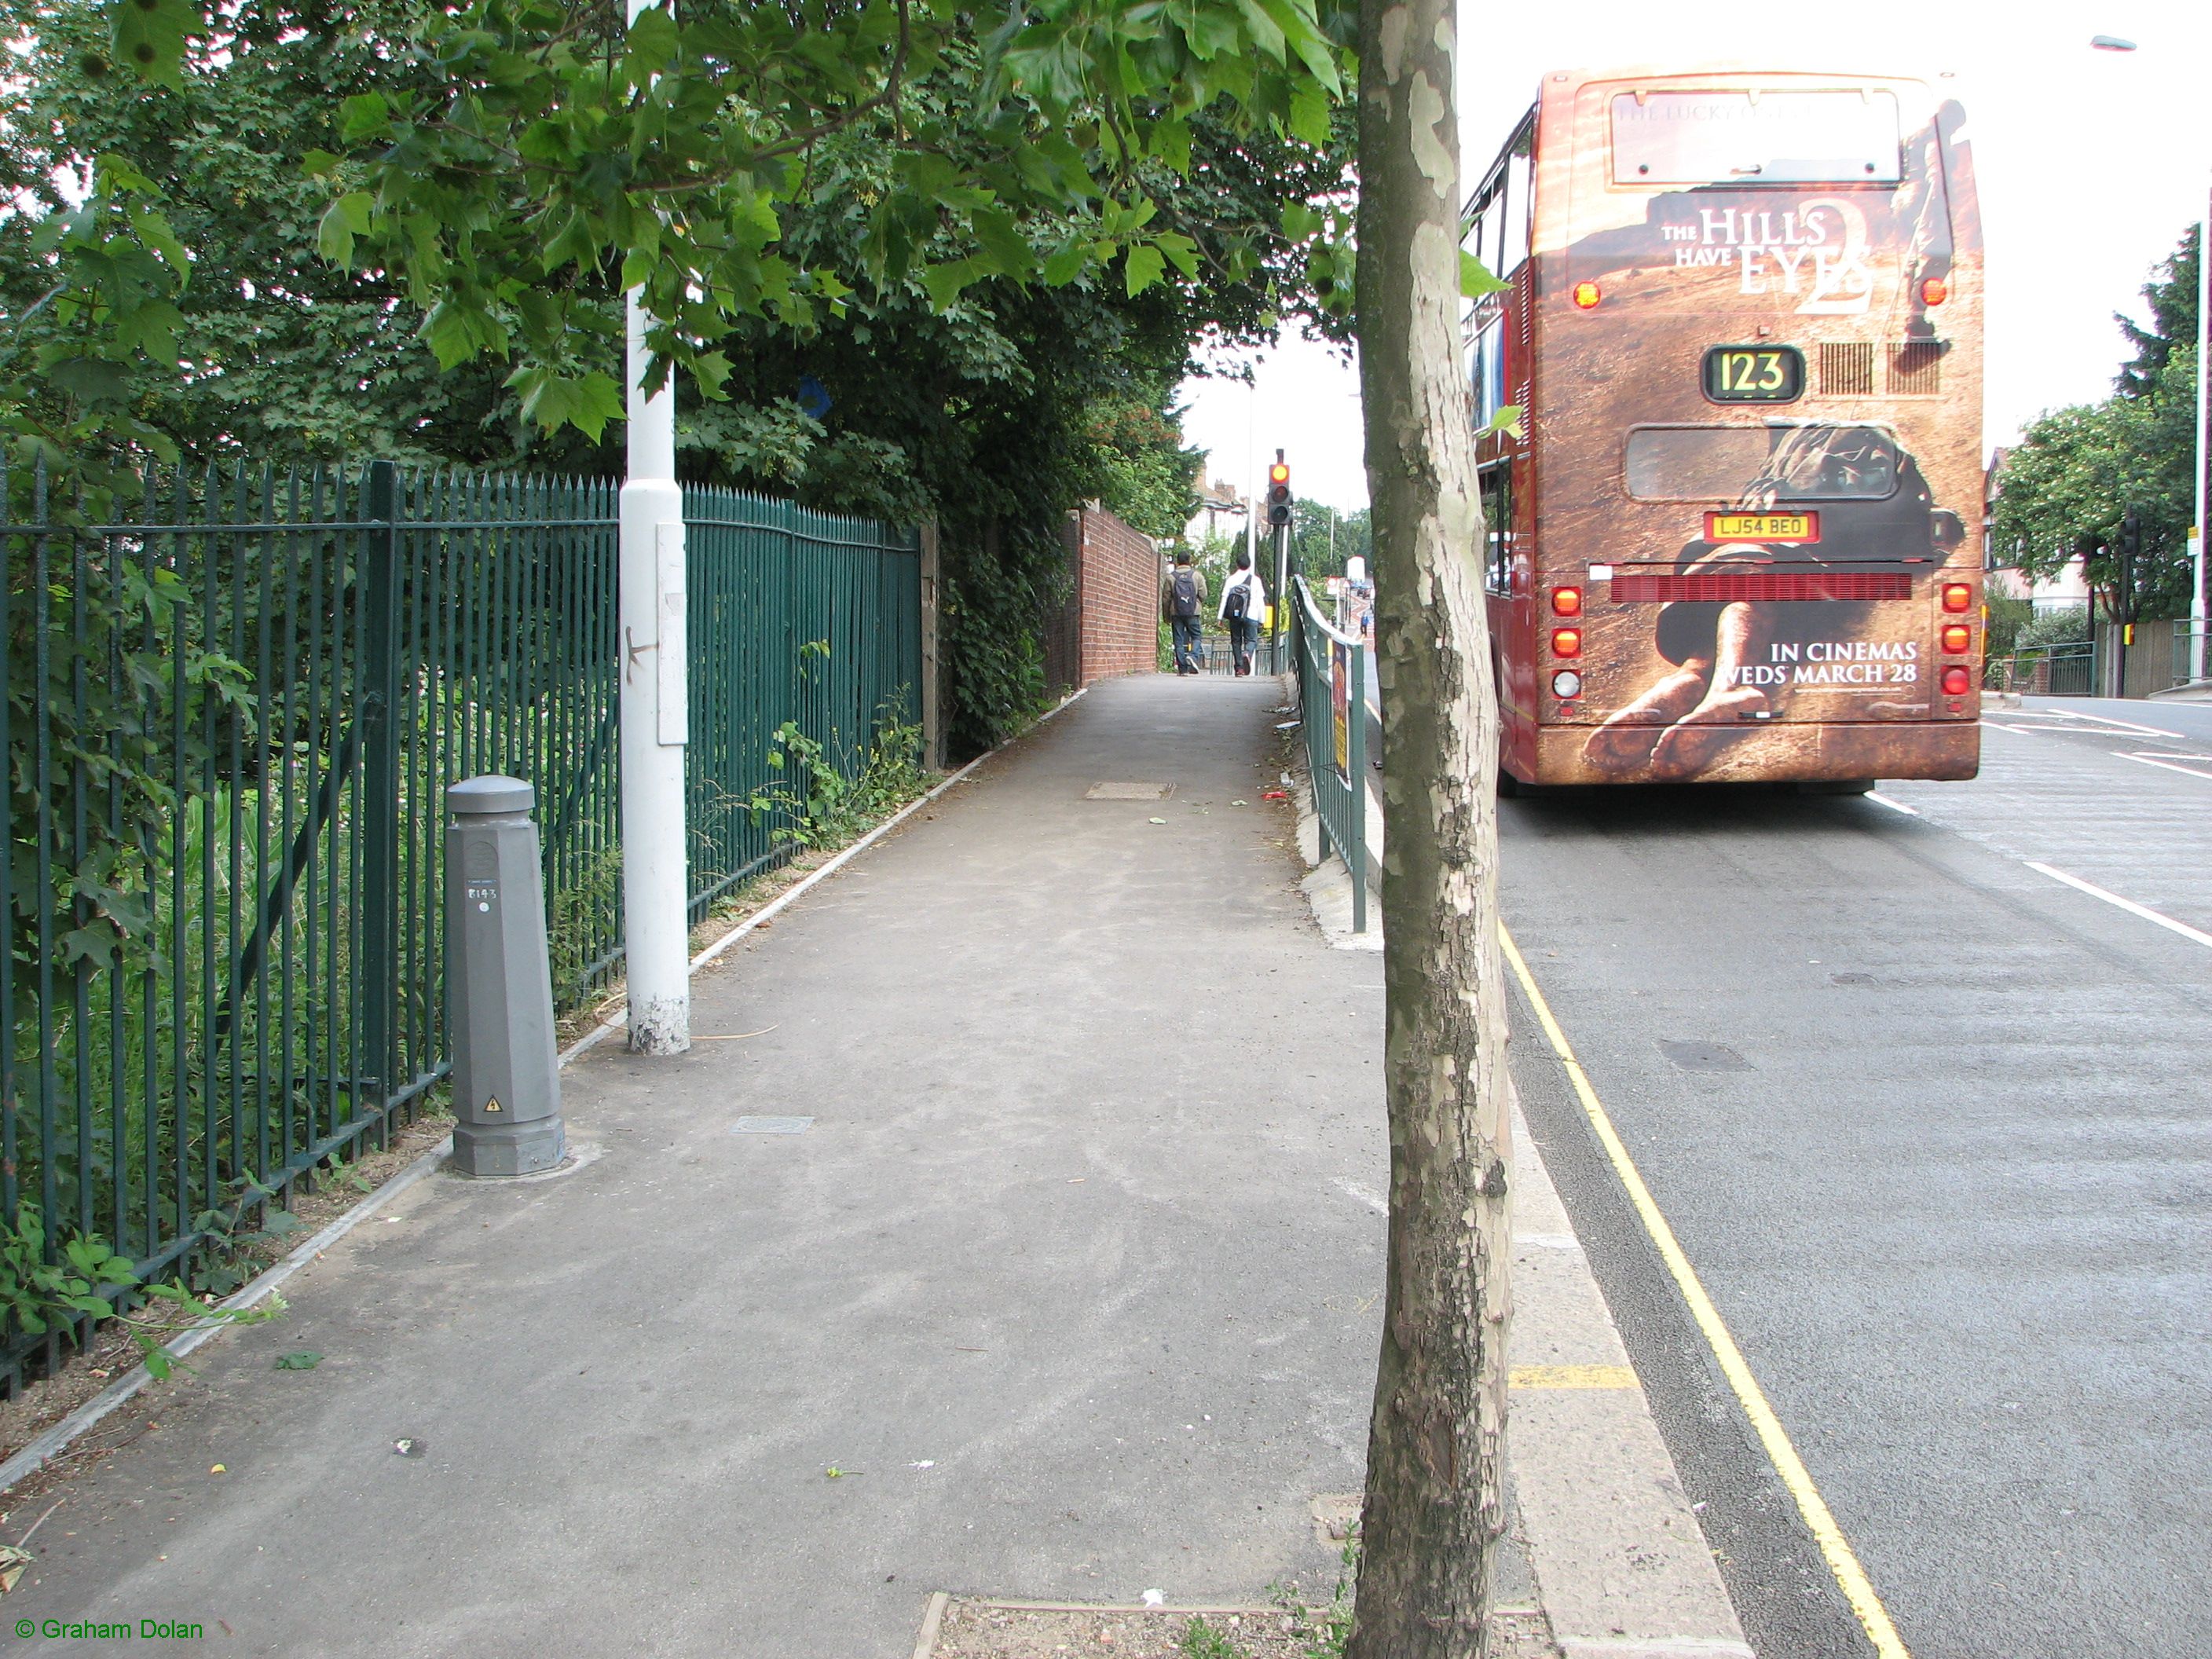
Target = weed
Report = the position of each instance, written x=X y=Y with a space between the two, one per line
x=89 y=1279
x=1202 y=1641
x=1327 y=1630
x=226 y=1253
x=41 y=1295
x=822 y=807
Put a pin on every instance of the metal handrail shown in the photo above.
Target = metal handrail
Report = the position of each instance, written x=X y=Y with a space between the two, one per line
x=1339 y=786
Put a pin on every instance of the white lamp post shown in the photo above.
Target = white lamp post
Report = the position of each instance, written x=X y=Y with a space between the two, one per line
x=655 y=708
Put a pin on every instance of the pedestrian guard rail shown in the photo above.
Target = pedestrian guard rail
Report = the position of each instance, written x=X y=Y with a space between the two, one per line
x=1332 y=689
x=234 y=701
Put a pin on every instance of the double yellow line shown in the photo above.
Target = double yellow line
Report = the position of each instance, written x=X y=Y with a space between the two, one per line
x=1850 y=1577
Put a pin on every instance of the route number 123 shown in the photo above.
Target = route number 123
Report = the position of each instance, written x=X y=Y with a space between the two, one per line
x=1754 y=374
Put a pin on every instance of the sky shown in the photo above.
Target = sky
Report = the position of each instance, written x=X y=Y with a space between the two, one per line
x=2091 y=166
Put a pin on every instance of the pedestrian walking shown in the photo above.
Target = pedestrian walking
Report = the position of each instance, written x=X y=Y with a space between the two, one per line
x=1182 y=602
x=1243 y=600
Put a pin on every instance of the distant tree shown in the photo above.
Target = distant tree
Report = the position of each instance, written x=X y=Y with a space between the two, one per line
x=2064 y=491
x=1322 y=537
x=2171 y=296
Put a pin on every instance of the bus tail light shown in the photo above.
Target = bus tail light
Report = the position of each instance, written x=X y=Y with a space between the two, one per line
x=1567 y=642
x=1958 y=598
x=1567 y=683
x=1934 y=291
x=1566 y=602
x=1587 y=296
x=1957 y=636
x=1957 y=682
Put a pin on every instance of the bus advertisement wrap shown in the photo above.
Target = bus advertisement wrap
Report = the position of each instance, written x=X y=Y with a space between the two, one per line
x=1753 y=336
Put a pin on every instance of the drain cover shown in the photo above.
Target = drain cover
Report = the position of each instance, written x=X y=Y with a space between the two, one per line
x=1128 y=792
x=1705 y=1056
x=771 y=1126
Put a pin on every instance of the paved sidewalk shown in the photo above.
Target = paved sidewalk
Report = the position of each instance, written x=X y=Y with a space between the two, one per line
x=1073 y=1284
x=1074 y=1278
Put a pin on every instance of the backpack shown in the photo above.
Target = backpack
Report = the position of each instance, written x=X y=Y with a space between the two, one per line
x=1238 y=601
x=1186 y=591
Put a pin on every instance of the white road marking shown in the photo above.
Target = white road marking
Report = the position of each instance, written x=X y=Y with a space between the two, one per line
x=2102 y=720
x=2126 y=905
x=2166 y=762
x=1881 y=799
x=1998 y=725
x=1381 y=1205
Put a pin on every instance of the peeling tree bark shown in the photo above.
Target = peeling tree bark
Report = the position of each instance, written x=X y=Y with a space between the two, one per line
x=1435 y=1489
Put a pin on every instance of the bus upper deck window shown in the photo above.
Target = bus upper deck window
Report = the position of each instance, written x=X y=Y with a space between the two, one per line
x=1845 y=135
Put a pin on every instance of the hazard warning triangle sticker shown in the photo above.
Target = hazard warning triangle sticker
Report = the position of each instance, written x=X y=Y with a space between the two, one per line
x=493 y=1105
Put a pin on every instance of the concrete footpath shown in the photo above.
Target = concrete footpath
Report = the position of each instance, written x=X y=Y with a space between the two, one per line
x=1070 y=1289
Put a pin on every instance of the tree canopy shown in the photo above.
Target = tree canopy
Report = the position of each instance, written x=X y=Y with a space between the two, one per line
x=2064 y=492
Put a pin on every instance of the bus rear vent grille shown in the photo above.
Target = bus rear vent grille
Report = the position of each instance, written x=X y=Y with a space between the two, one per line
x=1847 y=368
x=1726 y=587
x=1916 y=369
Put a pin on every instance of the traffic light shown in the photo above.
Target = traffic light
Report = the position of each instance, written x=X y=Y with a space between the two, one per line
x=1278 y=496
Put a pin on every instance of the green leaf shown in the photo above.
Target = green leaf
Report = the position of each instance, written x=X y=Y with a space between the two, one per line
x=343 y=220
x=148 y=35
x=945 y=282
x=710 y=371
x=91 y=381
x=1068 y=264
x=652 y=43
x=364 y=115
x=306 y=1360
x=1144 y=265
x=1507 y=420
x=1474 y=278
x=153 y=230
x=1310 y=108
x=1181 y=251
x=1002 y=240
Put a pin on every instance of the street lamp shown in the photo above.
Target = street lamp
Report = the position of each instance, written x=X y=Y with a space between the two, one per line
x=2197 y=620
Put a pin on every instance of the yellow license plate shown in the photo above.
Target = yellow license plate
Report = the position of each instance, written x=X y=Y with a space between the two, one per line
x=1762 y=527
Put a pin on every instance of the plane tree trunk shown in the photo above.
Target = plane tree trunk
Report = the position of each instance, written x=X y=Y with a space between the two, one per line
x=1435 y=1490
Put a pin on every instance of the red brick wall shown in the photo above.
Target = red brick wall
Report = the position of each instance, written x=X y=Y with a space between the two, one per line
x=1117 y=596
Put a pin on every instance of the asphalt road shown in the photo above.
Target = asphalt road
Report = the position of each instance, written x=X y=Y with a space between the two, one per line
x=1932 y=1125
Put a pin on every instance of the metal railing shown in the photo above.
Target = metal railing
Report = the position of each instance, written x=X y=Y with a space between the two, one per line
x=1271 y=656
x=1332 y=673
x=231 y=715
x=2192 y=652
x=2057 y=670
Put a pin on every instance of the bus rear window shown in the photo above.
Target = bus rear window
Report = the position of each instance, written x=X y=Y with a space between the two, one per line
x=1760 y=463
x=1756 y=138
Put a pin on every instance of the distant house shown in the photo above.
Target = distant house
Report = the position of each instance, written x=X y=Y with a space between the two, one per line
x=1217 y=500
x=2048 y=593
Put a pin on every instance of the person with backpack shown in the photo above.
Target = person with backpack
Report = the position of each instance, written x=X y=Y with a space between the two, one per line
x=1243 y=598
x=1182 y=602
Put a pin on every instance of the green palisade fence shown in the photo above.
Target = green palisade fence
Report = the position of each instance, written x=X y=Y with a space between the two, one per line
x=768 y=579
x=231 y=715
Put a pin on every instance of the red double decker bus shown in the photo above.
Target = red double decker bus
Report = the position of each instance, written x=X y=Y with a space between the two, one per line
x=1729 y=541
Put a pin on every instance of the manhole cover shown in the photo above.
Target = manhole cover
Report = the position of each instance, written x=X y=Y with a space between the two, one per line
x=771 y=1126
x=1705 y=1056
x=1128 y=792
